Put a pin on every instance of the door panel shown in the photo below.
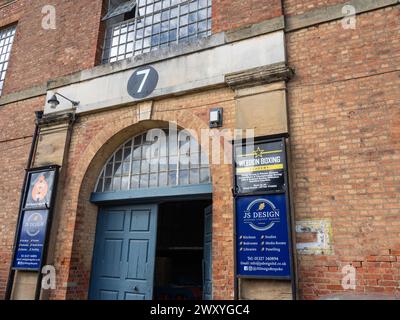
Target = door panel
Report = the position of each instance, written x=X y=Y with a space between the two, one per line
x=207 y=259
x=124 y=253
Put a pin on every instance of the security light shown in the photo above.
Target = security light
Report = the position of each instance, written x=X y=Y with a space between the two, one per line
x=54 y=101
x=216 y=118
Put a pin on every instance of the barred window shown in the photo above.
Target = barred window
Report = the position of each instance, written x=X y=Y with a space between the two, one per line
x=6 y=41
x=155 y=24
x=157 y=158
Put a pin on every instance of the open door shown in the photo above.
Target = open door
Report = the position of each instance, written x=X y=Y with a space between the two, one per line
x=124 y=254
x=207 y=255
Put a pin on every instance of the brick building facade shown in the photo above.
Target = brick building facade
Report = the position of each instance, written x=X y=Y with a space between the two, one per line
x=286 y=68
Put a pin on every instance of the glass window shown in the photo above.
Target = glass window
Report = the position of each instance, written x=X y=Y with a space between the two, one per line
x=153 y=160
x=6 y=39
x=159 y=23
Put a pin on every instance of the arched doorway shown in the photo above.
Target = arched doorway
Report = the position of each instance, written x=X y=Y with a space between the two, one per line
x=153 y=234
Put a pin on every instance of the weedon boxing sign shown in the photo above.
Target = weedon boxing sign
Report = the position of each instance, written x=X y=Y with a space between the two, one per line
x=260 y=169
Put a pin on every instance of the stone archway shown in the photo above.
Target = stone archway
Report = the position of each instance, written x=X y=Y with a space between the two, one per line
x=92 y=143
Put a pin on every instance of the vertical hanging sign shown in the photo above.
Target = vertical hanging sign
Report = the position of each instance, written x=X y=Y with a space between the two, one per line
x=263 y=227
x=38 y=201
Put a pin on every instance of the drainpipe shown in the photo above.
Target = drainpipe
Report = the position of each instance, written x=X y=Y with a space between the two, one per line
x=11 y=274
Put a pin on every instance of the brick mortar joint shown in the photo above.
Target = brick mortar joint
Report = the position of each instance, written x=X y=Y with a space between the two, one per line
x=8 y=3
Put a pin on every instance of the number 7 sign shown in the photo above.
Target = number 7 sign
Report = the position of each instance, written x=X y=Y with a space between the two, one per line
x=143 y=82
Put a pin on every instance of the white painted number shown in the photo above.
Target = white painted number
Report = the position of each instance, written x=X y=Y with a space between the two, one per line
x=146 y=73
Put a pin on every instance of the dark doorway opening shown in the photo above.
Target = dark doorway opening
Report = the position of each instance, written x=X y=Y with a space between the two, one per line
x=179 y=267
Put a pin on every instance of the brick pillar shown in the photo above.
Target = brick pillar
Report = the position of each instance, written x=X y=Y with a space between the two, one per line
x=260 y=96
x=53 y=142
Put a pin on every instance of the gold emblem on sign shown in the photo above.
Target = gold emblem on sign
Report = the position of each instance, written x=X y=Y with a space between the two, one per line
x=258 y=153
x=40 y=189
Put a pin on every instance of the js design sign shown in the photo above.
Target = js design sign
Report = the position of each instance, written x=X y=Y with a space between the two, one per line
x=260 y=169
x=262 y=236
x=32 y=238
x=35 y=217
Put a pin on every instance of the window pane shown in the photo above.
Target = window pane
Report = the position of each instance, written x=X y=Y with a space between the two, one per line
x=116 y=184
x=145 y=166
x=6 y=36
x=163 y=164
x=163 y=179
x=107 y=184
x=144 y=181
x=194 y=176
x=172 y=178
x=204 y=175
x=153 y=180
x=127 y=170
x=125 y=183
x=173 y=163
x=100 y=186
x=126 y=166
x=135 y=182
x=109 y=169
x=161 y=19
x=184 y=177
x=194 y=160
x=117 y=168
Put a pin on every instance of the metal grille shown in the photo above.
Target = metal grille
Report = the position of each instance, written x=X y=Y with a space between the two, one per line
x=158 y=24
x=169 y=164
x=6 y=41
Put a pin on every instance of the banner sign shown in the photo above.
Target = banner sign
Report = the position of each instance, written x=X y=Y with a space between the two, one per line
x=262 y=241
x=40 y=190
x=35 y=218
x=260 y=169
x=32 y=238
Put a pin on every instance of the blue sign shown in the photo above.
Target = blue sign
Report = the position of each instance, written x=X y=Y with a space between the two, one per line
x=262 y=239
x=28 y=255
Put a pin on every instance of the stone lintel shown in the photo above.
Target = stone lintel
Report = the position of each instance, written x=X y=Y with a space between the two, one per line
x=259 y=76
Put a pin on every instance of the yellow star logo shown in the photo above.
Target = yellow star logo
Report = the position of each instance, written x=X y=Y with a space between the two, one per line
x=258 y=153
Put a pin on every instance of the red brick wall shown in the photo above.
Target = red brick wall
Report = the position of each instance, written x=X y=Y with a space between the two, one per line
x=294 y=7
x=231 y=14
x=38 y=54
x=345 y=135
x=345 y=129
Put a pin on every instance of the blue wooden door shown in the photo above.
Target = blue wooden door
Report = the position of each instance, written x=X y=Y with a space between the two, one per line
x=207 y=255
x=124 y=253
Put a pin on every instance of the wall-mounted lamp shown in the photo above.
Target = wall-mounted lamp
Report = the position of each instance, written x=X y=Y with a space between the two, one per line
x=54 y=101
x=216 y=118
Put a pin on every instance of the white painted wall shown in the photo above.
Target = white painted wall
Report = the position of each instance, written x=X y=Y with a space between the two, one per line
x=177 y=75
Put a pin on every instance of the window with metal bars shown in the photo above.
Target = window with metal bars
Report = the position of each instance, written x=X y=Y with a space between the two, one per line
x=148 y=161
x=156 y=24
x=6 y=40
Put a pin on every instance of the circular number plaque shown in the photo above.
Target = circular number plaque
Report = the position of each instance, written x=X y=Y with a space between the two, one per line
x=142 y=82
